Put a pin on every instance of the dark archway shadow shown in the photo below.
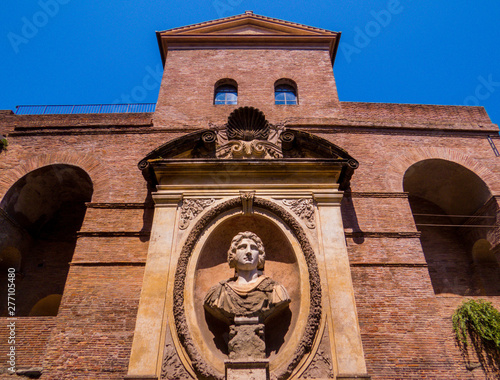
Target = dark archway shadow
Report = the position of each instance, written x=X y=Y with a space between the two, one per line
x=42 y=213
x=452 y=208
x=147 y=216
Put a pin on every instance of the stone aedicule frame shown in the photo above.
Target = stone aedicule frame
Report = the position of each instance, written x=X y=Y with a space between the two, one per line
x=309 y=317
x=251 y=186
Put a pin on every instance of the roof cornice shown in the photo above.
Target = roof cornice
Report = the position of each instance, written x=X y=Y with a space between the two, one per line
x=246 y=18
x=222 y=33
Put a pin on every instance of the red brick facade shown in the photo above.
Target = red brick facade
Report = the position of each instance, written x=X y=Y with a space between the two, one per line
x=408 y=280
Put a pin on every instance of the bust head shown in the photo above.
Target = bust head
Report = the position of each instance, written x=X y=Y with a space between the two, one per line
x=236 y=245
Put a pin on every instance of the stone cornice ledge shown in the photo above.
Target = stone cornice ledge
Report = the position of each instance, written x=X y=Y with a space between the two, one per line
x=383 y=234
x=376 y=194
x=328 y=199
x=76 y=120
x=167 y=200
x=348 y=124
x=107 y=263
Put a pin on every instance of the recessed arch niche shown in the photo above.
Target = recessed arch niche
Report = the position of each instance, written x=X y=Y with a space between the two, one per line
x=453 y=208
x=35 y=199
x=39 y=218
x=451 y=186
x=289 y=260
x=481 y=252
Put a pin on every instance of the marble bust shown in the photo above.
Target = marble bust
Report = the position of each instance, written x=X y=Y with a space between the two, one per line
x=249 y=294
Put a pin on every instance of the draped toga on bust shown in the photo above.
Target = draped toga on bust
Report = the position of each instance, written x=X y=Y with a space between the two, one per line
x=260 y=298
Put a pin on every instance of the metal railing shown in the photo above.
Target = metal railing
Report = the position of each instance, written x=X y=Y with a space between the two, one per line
x=85 y=108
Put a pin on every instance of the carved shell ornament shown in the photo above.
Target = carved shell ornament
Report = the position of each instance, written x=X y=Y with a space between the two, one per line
x=247 y=124
x=249 y=135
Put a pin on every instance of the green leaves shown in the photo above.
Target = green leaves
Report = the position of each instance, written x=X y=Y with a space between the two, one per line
x=480 y=320
x=3 y=144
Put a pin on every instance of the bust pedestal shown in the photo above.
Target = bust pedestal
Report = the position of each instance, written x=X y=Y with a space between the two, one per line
x=246 y=339
x=249 y=369
x=247 y=351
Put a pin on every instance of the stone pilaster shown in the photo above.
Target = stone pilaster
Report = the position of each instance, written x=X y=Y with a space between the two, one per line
x=342 y=307
x=148 y=329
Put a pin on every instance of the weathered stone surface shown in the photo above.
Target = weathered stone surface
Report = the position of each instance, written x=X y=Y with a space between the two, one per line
x=247 y=370
x=172 y=367
x=321 y=367
x=246 y=341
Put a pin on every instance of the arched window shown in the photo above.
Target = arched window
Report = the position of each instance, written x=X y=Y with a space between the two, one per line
x=226 y=92
x=285 y=92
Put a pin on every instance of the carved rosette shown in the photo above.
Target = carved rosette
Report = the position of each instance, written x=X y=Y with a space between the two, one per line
x=304 y=208
x=191 y=208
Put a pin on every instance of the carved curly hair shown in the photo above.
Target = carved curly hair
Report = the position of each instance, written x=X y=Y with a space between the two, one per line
x=231 y=253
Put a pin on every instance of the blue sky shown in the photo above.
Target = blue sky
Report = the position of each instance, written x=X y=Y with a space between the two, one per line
x=398 y=51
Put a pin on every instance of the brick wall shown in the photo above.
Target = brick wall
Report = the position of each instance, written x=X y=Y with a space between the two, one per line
x=32 y=335
x=187 y=91
x=93 y=332
x=416 y=113
x=405 y=322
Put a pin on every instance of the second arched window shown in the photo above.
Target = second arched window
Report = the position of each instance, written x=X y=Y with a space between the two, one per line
x=285 y=94
x=226 y=94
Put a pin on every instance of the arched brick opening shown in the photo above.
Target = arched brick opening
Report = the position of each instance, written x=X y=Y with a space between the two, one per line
x=100 y=176
x=453 y=208
x=39 y=217
x=397 y=167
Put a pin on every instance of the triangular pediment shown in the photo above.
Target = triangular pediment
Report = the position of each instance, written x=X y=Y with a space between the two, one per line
x=247 y=30
x=247 y=24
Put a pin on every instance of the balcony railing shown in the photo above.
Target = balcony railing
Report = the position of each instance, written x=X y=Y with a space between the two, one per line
x=85 y=108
